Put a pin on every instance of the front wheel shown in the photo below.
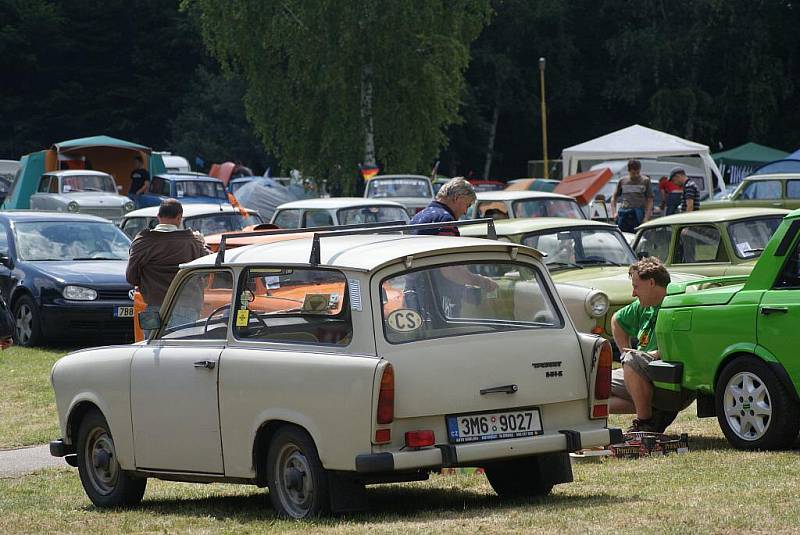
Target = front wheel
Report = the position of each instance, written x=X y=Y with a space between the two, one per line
x=298 y=484
x=754 y=408
x=103 y=479
x=529 y=476
x=28 y=324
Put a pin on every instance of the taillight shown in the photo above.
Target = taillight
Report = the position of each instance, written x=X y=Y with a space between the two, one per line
x=420 y=439
x=386 y=396
x=383 y=436
x=602 y=381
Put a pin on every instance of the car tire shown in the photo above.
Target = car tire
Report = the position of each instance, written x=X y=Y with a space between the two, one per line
x=528 y=477
x=103 y=479
x=298 y=484
x=27 y=321
x=755 y=409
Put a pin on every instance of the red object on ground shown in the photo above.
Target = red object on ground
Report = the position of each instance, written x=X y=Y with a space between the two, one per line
x=584 y=186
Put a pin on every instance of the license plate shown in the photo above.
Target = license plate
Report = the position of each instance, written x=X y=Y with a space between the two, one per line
x=123 y=312
x=494 y=425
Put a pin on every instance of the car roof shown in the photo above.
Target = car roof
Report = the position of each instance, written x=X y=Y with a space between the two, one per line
x=381 y=177
x=188 y=176
x=189 y=210
x=76 y=172
x=507 y=227
x=774 y=176
x=714 y=216
x=35 y=215
x=518 y=195
x=360 y=252
x=336 y=203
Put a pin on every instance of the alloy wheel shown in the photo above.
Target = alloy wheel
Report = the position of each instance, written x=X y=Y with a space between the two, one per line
x=748 y=406
x=24 y=323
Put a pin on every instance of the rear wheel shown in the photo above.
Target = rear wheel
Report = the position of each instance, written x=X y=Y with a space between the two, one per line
x=28 y=324
x=529 y=476
x=755 y=409
x=298 y=484
x=103 y=479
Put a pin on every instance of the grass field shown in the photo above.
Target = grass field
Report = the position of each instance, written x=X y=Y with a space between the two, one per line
x=713 y=488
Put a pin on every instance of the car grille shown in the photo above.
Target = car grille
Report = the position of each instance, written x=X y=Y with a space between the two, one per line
x=114 y=295
x=108 y=213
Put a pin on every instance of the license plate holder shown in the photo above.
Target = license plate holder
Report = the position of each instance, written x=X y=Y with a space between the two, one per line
x=493 y=425
x=123 y=312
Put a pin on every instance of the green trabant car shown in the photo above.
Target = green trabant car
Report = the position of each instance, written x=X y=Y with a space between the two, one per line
x=580 y=252
x=780 y=190
x=713 y=243
x=735 y=347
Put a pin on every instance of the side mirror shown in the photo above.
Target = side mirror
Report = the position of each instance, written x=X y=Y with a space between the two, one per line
x=119 y=188
x=642 y=255
x=600 y=198
x=149 y=320
x=5 y=260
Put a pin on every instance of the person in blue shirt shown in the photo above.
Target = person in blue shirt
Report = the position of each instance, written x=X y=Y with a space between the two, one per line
x=452 y=201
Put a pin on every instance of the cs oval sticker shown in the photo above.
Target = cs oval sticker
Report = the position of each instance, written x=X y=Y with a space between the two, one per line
x=404 y=320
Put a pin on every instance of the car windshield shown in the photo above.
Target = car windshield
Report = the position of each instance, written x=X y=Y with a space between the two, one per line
x=223 y=222
x=81 y=183
x=751 y=236
x=200 y=188
x=471 y=298
x=70 y=240
x=399 y=187
x=547 y=208
x=371 y=214
x=577 y=248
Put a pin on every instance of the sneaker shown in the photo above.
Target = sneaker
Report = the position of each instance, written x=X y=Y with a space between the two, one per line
x=643 y=426
x=662 y=419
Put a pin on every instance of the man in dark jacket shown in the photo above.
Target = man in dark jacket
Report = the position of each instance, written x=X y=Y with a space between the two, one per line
x=452 y=201
x=156 y=253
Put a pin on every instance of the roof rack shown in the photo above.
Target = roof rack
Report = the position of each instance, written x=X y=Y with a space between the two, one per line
x=274 y=232
x=315 y=260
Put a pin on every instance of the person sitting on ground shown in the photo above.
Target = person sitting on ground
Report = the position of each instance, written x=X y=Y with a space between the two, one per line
x=631 y=385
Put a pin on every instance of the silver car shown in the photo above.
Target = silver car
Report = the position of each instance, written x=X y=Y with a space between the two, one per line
x=81 y=191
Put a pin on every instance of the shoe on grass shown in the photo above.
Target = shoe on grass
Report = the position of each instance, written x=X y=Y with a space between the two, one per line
x=643 y=426
x=663 y=419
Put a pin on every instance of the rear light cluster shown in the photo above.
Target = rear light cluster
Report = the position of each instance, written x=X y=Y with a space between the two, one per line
x=385 y=406
x=602 y=380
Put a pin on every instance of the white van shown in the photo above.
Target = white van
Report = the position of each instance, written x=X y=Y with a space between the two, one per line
x=175 y=163
x=654 y=169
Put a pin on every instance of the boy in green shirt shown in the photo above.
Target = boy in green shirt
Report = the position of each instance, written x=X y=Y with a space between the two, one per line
x=631 y=385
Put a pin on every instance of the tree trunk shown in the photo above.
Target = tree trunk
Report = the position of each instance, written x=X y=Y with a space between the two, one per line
x=490 y=145
x=366 y=115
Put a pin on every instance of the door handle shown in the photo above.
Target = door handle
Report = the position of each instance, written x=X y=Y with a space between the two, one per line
x=507 y=389
x=776 y=204
x=766 y=311
x=208 y=364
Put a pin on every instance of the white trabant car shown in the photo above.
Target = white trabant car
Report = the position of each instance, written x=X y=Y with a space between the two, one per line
x=336 y=211
x=317 y=365
x=415 y=192
x=207 y=219
x=81 y=191
x=515 y=204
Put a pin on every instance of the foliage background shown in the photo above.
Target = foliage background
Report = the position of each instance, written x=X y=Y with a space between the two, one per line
x=721 y=72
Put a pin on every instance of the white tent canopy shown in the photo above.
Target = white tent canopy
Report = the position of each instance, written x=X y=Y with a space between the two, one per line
x=637 y=142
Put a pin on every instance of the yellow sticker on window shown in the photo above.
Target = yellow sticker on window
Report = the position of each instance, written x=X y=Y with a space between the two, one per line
x=242 y=317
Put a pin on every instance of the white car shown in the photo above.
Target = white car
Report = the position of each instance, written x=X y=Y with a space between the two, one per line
x=515 y=204
x=315 y=365
x=415 y=192
x=336 y=211
x=81 y=191
x=206 y=219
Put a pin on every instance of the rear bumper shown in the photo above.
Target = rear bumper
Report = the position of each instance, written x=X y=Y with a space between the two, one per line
x=478 y=453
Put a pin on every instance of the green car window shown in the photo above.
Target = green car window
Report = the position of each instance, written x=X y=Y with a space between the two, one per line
x=566 y=248
x=655 y=242
x=790 y=276
x=700 y=243
x=762 y=190
x=793 y=189
x=751 y=236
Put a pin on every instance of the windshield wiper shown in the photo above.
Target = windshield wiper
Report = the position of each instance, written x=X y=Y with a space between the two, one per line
x=98 y=258
x=566 y=264
x=603 y=261
x=756 y=250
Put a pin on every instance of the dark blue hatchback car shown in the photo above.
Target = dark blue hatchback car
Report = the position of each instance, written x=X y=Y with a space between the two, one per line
x=63 y=275
x=186 y=187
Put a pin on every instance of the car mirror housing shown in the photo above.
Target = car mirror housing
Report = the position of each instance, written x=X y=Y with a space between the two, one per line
x=642 y=254
x=149 y=320
x=5 y=260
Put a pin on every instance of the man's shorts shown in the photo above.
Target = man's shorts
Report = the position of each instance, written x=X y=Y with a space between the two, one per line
x=636 y=360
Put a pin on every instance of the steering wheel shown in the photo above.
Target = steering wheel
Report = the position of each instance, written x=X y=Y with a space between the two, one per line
x=208 y=319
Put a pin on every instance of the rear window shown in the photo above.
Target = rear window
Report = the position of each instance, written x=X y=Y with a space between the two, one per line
x=465 y=299
x=298 y=306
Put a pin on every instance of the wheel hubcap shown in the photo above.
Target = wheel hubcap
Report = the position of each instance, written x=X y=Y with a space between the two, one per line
x=294 y=481
x=102 y=467
x=748 y=407
x=24 y=323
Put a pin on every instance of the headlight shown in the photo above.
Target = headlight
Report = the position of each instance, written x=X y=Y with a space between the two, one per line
x=597 y=304
x=128 y=206
x=73 y=206
x=79 y=293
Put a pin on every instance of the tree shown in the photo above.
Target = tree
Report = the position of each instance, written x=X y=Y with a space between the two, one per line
x=336 y=82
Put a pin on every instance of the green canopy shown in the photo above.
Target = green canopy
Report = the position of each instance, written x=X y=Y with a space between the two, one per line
x=104 y=141
x=749 y=153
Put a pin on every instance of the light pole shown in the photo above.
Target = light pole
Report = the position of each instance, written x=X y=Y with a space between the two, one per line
x=544 y=119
